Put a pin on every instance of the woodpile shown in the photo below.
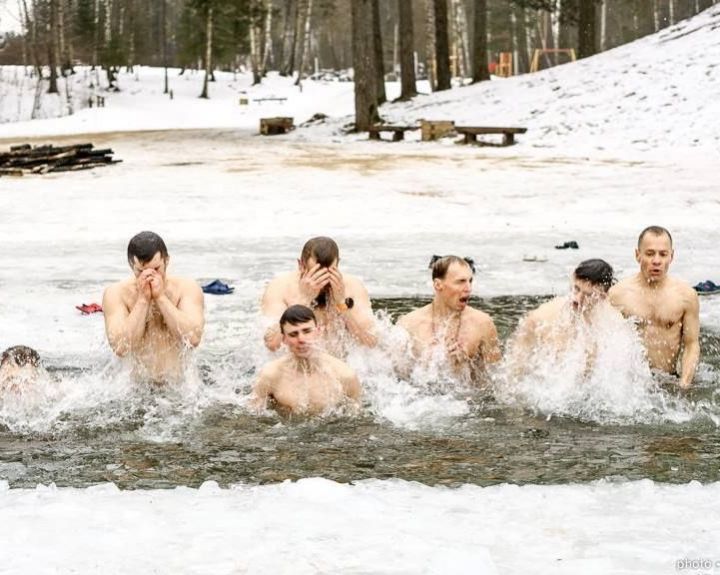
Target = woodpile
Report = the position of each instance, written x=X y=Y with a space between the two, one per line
x=26 y=159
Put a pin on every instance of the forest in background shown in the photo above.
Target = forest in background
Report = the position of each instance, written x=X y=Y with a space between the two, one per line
x=378 y=39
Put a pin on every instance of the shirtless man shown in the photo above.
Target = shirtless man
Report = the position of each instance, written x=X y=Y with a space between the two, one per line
x=151 y=316
x=467 y=334
x=341 y=302
x=666 y=309
x=307 y=380
x=559 y=323
x=19 y=366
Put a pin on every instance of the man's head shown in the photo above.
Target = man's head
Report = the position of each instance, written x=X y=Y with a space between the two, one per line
x=299 y=330
x=147 y=250
x=452 y=280
x=18 y=363
x=321 y=250
x=654 y=253
x=591 y=281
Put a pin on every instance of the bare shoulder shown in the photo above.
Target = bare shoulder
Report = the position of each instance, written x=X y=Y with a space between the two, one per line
x=186 y=286
x=414 y=317
x=271 y=369
x=547 y=311
x=685 y=291
x=118 y=291
x=479 y=316
x=338 y=366
x=355 y=286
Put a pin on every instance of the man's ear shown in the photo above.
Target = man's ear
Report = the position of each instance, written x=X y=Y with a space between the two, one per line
x=637 y=255
x=437 y=284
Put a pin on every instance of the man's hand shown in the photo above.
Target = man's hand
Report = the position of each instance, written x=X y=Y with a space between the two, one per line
x=142 y=282
x=312 y=281
x=157 y=285
x=337 y=286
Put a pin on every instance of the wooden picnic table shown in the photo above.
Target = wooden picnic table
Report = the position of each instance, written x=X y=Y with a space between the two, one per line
x=398 y=132
x=471 y=133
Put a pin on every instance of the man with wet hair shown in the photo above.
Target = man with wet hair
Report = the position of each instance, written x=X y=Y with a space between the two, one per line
x=307 y=380
x=340 y=301
x=153 y=317
x=556 y=322
x=666 y=309
x=19 y=365
x=467 y=335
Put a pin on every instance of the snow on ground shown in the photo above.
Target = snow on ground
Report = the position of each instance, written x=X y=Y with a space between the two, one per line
x=372 y=527
x=660 y=92
x=239 y=207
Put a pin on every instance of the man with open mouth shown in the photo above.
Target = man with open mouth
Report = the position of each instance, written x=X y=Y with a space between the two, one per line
x=466 y=335
x=666 y=309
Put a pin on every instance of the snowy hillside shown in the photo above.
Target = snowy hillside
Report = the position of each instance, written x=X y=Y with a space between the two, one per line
x=660 y=91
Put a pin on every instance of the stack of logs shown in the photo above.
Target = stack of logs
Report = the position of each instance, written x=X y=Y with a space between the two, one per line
x=26 y=159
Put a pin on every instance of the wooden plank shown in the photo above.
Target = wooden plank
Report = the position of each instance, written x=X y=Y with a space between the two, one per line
x=489 y=130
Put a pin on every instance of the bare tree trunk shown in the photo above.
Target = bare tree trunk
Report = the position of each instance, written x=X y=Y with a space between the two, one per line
x=208 y=51
x=305 y=10
x=31 y=26
x=289 y=34
x=522 y=61
x=442 y=45
x=408 y=84
x=431 y=62
x=51 y=30
x=480 y=38
x=267 y=31
x=462 y=57
x=163 y=33
x=366 y=105
x=378 y=51
x=587 y=29
x=567 y=30
x=255 y=56
x=96 y=36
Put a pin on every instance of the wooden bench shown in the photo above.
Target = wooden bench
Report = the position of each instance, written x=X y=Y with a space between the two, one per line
x=270 y=99
x=471 y=133
x=398 y=132
x=273 y=126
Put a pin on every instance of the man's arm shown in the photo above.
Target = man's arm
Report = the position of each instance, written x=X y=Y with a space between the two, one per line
x=261 y=391
x=489 y=344
x=187 y=319
x=272 y=307
x=124 y=329
x=351 y=385
x=359 y=320
x=691 y=341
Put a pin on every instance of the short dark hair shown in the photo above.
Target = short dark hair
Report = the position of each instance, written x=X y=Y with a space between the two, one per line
x=597 y=272
x=656 y=231
x=20 y=355
x=323 y=249
x=441 y=264
x=295 y=315
x=144 y=246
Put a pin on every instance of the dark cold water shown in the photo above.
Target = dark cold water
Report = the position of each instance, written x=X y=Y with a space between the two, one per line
x=150 y=441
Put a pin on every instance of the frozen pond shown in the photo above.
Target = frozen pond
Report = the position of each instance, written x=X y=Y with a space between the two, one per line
x=239 y=208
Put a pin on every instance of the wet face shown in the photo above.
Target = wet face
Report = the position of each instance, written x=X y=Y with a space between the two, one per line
x=310 y=264
x=157 y=263
x=585 y=295
x=14 y=377
x=456 y=287
x=301 y=338
x=654 y=256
